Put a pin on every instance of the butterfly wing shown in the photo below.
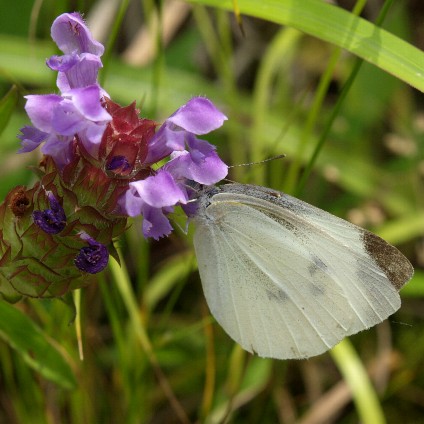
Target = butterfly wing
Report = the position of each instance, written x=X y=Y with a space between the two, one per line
x=288 y=280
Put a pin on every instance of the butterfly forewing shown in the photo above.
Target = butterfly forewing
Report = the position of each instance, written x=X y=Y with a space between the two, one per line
x=288 y=280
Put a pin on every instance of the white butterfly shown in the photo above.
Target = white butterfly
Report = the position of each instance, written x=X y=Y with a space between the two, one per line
x=286 y=279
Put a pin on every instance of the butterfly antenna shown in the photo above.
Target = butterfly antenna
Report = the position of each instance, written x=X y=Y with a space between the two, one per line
x=260 y=162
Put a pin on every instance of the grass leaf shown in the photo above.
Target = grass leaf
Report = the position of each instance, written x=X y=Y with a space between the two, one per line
x=34 y=346
x=341 y=28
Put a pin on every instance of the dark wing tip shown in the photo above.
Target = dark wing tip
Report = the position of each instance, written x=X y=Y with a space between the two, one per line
x=389 y=259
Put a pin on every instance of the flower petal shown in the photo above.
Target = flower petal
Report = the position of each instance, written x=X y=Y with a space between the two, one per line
x=75 y=71
x=164 y=142
x=31 y=138
x=92 y=258
x=199 y=116
x=87 y=102
x=59 y=148
x=66 y=119
x=160 y=190
x=155 y=223
x=40 y=109
x=209 y=170
x=131 y=203
x=71 y=34
x=63 y=63
x=53 y=220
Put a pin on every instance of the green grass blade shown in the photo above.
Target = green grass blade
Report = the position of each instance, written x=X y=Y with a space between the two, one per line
x=32 y=344
x=7 y=106
x=355 y=375
x=341 y=28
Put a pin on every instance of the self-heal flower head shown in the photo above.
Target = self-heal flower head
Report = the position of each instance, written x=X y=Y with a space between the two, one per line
x=53 y=220
x=92 y=258
x=100 y=166
x=102 y=159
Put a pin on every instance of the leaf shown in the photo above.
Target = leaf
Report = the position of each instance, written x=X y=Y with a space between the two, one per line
x=356 y=377
x=7 y=105
x=170 y=274
x=256 y=377
x=415 y=288
x=68 y=300
x=341 y=28
x=37 y=350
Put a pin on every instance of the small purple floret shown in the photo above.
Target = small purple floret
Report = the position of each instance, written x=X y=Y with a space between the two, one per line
x=78 y=110
x=154 y=197
x=79 y=65
x=118 y=163
x=92 y=258
x=51 y=221
x=57 y=119
x=197 y=117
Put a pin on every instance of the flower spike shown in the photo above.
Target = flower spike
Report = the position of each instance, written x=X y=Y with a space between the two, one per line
x=102 y=164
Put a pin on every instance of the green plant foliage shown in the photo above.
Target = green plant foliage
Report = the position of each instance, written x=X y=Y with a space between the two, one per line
x=7 y=105
x=343 y=29
x=36 y=348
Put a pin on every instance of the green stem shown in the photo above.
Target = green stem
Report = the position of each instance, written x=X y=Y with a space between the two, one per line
x=123 y=285
x=355 y=375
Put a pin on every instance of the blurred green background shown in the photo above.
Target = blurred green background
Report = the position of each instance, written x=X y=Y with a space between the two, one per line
x=353 y=136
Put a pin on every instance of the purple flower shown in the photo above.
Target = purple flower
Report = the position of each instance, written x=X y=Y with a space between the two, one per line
x=75 y=71
x=78 y=110
x=192 y=159
x=57 y=119
x=118 y=164
x=80 y=64
x=92 y=258
x=198 y=116
x=153 y=198
x=52 y=220
x=207 y=170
